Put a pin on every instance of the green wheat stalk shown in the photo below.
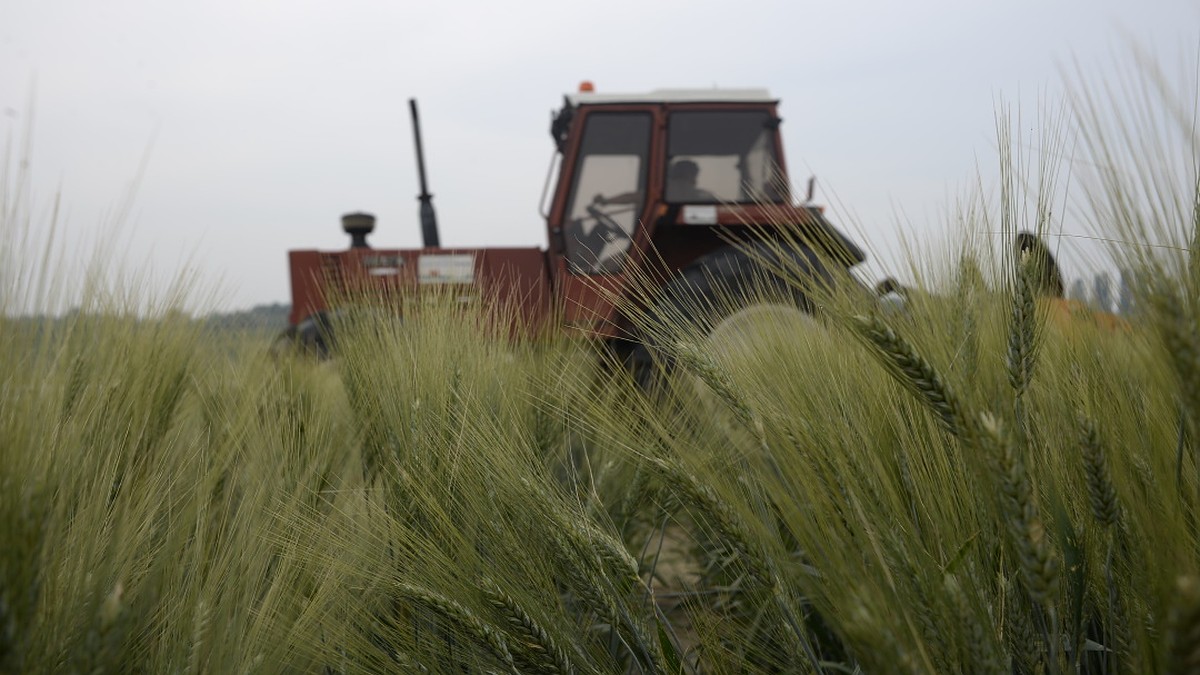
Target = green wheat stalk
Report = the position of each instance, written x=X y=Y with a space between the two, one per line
x=1181 y=338
x=1183 y=628
x=734 y=533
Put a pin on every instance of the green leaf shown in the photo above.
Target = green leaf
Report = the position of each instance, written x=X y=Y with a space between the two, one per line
x=670 y=654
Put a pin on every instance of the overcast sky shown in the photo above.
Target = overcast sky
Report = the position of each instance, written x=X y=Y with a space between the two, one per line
x=262 y=122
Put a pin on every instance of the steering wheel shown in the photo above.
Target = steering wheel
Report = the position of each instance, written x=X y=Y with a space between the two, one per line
x=611 y=230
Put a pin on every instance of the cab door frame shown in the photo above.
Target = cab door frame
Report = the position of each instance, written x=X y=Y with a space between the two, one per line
x=587 y=301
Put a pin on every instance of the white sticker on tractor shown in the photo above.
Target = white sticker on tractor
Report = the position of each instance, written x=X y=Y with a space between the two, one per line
x=383 y=264
x=446 y=269
x=698 y=214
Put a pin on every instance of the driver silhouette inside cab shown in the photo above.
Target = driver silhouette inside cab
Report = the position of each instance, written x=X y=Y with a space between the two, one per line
x=681 y=183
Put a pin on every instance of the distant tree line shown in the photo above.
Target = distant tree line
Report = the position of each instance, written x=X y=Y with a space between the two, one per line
x=266 y=319
x=262 y=318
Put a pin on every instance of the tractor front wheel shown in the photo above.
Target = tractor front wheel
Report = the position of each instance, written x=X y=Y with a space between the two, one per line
x=721 y=299
x=312 y=337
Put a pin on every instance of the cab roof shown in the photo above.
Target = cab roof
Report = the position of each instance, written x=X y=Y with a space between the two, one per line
x=674 y=96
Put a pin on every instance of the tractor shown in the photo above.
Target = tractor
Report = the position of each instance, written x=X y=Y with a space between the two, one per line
x=688 y=188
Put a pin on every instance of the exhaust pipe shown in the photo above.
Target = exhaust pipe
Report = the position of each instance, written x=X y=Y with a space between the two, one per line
x=429 y=228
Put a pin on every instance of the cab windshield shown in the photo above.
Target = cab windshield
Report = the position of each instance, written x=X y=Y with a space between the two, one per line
x=722 y=156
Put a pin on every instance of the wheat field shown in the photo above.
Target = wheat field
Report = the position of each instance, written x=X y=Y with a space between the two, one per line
x=972 y=484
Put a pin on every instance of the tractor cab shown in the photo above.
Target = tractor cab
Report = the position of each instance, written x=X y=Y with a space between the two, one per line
x=656 y=180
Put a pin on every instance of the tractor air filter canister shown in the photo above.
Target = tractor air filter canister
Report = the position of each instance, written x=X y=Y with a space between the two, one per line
x=358 y=226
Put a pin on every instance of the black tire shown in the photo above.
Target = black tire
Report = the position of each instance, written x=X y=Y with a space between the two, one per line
x=712 y=288
x=311 y=337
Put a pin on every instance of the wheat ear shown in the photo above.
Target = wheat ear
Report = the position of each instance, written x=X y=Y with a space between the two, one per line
x=199 y=635
x=585 y=574
x=1019 y=632
x=1101 y=494
x=915 y=373
x=1022 y=341
x=712 y=374
x=981 y=643
x=1022 y=333
x=1039 y=567
x=539 y=653
x=464 y=619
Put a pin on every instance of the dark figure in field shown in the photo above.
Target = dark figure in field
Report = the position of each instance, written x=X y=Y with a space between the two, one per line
x=1046 y=277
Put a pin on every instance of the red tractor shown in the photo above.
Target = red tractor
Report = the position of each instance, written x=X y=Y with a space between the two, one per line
x=688 y=187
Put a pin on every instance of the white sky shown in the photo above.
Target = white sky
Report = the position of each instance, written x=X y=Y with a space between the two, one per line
x=264 y=121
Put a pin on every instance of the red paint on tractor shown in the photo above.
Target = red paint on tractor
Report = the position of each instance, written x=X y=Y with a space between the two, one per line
x=512 y=280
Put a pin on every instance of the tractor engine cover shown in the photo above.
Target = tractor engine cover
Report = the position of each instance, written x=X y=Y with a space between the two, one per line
x=514 y=281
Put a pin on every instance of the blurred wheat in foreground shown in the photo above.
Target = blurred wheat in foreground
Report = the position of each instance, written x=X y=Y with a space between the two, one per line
x=973 y=485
